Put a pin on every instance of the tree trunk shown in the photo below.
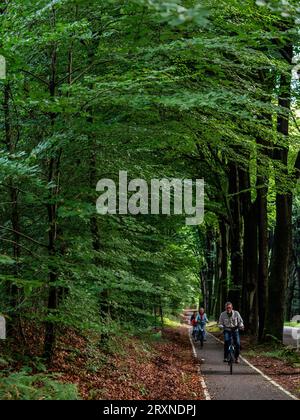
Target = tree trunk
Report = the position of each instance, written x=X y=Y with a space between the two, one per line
x=218 y=274
x=250 y=284
x=263 y=262
x=53 y=177
x=235 y=237
x=14 y=292
x=204 y=289
x=267 y=79
x=211 y=262
x=292 y=287
x=283 y=231
x=224 y=265
x=250 y=276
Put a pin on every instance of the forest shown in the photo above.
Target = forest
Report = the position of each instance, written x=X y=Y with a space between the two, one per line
x=185 y=89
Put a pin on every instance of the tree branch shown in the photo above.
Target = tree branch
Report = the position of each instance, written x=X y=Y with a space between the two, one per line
x=35 y=76
x=21 y=246
x=23 y=236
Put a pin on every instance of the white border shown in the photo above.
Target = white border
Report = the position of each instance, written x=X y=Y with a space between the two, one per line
x=204 y=386
x=267 y=378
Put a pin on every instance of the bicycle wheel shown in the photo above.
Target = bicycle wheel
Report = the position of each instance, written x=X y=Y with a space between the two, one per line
x=201 y=339
x=231 y=360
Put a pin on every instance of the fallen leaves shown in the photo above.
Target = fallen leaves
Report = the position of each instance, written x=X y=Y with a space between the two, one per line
x=159 y=370
x=284 y=374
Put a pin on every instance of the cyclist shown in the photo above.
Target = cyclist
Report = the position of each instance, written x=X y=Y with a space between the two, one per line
x=231 y=322
x=202 y=320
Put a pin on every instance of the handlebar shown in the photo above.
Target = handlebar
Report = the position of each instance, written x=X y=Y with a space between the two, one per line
x=238 y=328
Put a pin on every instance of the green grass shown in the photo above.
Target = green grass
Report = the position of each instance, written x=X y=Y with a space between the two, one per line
x=286 y=354
x=213 y=327
x=292 y=324
x=171 y=323
x=151 y=335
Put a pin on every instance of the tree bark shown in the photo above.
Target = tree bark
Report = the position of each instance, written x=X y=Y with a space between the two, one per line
x=267 y=79
x=263 y=261
x=211 y=262
x=250 y=275
x=235 y=237
x=223 y=284
x=218 y=274
x=283 y=231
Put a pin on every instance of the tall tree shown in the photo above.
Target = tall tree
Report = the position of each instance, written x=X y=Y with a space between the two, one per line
x=279 y=269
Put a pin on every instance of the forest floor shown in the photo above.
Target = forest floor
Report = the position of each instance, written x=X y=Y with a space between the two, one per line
x=160 y=366
x=280 y=363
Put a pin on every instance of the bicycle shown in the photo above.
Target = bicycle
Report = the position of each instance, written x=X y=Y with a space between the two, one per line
x=231 y=350
x=201 y=334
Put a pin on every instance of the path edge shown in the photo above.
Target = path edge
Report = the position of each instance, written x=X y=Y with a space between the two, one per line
x=266 y=377
x=203 y=383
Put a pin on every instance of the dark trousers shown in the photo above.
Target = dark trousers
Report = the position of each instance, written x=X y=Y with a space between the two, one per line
x=228 y=337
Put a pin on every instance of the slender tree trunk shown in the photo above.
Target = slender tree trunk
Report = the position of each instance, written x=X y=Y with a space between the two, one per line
x=161 y=312
x=250 y=277
x=14 y=292
x=263 y=263
x=204 y=288
x=283 y=231
x=235 y=237
x=95 y=231
x=218 y=275
x=267 y=79
x=211 y=270
x=263 y=236
x=94 y=221
x=292 y=287
x=279 y=268
x=53 y=177
x=250 y=286
x=53 y=274
x=206 y=274
x=224 y=265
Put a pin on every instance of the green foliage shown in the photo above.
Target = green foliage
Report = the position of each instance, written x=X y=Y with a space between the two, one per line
x=157 y=88
x=23 y=386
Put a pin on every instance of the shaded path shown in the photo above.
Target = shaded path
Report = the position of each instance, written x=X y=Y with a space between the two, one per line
x=245 y=384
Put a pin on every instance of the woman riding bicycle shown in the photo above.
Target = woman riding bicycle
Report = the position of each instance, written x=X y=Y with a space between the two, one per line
x=231 y=323
x=202 y=320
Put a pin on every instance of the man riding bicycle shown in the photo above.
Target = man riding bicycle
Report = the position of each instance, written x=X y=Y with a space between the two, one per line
x=231 y=323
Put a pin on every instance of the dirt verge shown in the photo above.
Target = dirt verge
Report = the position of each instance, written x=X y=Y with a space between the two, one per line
x=150 y=369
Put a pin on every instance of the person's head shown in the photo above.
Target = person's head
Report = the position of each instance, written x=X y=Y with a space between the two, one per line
x=201 y=311
x=195 y=313
x=229 y=307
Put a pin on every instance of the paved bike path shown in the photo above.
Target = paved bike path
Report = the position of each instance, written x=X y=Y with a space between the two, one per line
x=245 y=384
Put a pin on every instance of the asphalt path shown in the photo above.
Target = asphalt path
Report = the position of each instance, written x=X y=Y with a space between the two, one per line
x=245 y=383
